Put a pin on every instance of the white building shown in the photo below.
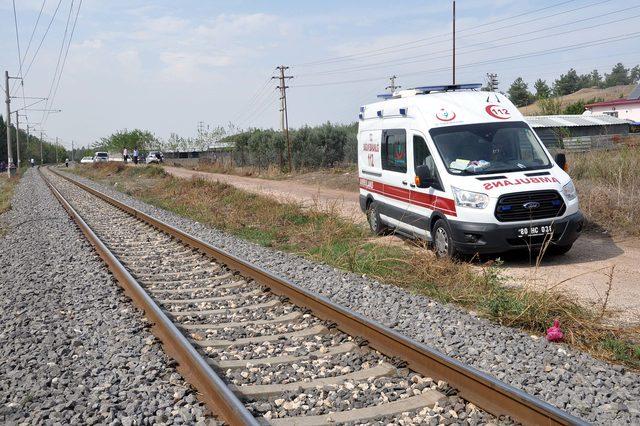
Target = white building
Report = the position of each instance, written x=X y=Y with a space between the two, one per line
x=626 y=109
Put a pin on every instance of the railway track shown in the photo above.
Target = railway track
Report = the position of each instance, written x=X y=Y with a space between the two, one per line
x=260 y=349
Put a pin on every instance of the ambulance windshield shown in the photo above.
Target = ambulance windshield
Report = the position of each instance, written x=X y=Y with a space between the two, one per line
x=489 y=148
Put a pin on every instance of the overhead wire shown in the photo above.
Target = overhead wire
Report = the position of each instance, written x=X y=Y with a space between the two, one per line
x=44 y=36
x=55 y=73
x=64 y=61
x=494 y=60
x=261 y=111
x=257 y=104
x=251 y=100
x=258 y=108
x=430 y=56
x=449 y=37
x=35 y=27
x=393 y=46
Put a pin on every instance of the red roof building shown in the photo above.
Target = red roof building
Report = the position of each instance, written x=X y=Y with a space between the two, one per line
x=626 y=109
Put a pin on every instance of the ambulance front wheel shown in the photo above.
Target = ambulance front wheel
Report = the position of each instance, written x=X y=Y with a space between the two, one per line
x=373 y=217
x=442 y=240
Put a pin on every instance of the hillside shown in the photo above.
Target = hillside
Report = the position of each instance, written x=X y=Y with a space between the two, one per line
x=607 y=94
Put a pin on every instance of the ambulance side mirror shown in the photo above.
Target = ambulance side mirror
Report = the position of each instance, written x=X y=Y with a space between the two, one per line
x=561 y=161
x=424 y=177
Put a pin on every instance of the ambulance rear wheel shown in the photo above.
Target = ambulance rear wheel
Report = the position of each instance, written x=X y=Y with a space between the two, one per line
x=442 y=241
x=373 y=217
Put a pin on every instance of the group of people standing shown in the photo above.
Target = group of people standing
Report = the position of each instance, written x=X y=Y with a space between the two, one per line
x=134 y=157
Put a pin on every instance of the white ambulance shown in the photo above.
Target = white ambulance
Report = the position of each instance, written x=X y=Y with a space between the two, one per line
x=462 y=169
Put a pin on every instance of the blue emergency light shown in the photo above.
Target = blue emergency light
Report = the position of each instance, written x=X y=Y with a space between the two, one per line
x=385 y=96
x=448 y=87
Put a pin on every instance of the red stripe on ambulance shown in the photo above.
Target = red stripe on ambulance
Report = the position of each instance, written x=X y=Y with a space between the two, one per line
x=430 y=201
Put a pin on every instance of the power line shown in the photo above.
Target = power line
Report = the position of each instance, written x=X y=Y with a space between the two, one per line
x=258 y=108
x=446 y=52
x=343 y=57
x=26 y=52
x=55 y=73
x=44 y=36
x=242 y=111
x=258 y=102
x=504 y=59
x=64 y=61
x=475 y=34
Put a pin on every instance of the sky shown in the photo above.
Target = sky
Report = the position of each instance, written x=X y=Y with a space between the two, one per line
x=165 y=66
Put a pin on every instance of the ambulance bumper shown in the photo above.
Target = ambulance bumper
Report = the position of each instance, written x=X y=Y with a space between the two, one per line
x=471 y=238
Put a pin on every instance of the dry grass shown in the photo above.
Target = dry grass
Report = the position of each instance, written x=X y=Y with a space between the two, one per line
x=324 y=237
x=340 y=177
x=7 y=186
x=608 y=184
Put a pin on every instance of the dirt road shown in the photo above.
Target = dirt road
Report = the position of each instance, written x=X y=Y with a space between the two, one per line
x=585 y=271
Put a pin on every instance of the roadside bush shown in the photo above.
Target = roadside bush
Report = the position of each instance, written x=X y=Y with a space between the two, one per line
x=311 y=147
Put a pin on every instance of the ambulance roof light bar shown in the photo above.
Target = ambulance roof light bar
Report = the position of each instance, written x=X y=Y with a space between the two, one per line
x=448 y=87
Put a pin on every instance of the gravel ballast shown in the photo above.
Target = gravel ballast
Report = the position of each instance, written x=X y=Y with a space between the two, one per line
x=74 y=348
x=569 y=379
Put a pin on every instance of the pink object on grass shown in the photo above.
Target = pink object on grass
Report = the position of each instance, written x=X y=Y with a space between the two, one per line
x=555 y=334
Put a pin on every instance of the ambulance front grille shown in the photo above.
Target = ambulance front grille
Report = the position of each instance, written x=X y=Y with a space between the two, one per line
x=533 y=205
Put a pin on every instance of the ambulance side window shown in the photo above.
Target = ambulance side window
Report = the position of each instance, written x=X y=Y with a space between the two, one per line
x=394 y=150
x=422 y=157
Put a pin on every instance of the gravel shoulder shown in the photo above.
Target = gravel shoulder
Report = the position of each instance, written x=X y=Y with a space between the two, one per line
x=583 y=271
x=74 y=348
x=568 y=379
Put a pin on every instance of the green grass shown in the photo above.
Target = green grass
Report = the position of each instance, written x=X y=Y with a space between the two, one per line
x=324 y=237
x=623 y=351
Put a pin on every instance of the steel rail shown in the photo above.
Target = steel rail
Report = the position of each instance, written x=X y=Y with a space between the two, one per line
x=214 y=391
x=475 y=386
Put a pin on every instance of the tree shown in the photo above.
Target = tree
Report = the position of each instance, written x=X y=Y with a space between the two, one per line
x=130 y=139
x=595 y=79
x=542 y=89
x=635 y=74
x=519 y=93
x=550 y=106
x=567 y=83
x=619 y=76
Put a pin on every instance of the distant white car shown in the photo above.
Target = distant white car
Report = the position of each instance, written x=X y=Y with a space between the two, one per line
x=154 y=157
x=100 y=157
x=87 y=160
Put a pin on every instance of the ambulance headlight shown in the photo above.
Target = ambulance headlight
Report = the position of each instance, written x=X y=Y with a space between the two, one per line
x=475 y=200
x=569 y=191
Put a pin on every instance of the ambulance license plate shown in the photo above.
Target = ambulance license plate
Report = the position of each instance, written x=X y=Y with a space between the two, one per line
x=535 y=231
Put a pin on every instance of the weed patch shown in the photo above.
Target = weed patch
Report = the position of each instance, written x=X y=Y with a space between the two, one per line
x=608 y=184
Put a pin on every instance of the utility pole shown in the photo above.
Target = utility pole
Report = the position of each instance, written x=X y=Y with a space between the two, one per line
x=492 y=82
x=283 y=108
x=41 y=156
x=72 y=151
x=8 y=122
x=56 y=150
x=392 y=86
x=454 y=42
x=18 y=138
